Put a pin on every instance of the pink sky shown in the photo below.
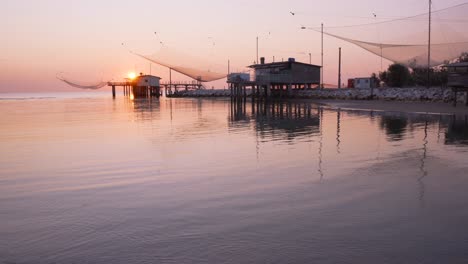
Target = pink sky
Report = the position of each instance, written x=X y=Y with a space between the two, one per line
x=84 y=38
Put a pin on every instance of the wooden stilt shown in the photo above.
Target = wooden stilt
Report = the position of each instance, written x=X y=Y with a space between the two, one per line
x=455 y=95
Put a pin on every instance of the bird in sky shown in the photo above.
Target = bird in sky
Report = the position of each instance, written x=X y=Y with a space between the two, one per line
x=375 y=15
x=292 y=13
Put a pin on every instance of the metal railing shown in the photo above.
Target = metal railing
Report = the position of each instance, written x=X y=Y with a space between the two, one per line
x=181 y=83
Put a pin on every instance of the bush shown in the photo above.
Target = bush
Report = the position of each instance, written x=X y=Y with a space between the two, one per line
x=439 y=77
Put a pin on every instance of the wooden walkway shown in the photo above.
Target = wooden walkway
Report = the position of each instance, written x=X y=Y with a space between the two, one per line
x=182 y=85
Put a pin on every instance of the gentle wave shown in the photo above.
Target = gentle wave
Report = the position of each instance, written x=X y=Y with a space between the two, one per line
x=25 y=98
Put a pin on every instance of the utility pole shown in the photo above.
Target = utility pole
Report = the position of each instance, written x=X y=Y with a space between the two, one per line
x=339 y=69
x=229 y=67
x=310 y=58
x=380 y=44
x=257 y=50
x=429 y=47
x=321 y=77
x=381 y=58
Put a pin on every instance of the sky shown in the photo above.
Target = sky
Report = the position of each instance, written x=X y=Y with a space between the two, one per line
x=83 y=38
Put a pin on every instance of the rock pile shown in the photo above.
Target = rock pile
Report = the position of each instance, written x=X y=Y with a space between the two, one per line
x=435 y=94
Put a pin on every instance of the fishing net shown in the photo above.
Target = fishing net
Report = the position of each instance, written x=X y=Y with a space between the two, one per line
x=405 y=40
x=79 y=84
x=195 y=68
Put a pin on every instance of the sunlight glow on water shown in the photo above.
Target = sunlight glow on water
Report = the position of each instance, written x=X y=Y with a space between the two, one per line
x=96 y=180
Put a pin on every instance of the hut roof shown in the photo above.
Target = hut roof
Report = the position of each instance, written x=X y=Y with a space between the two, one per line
x=146 y=76
x=280 y=64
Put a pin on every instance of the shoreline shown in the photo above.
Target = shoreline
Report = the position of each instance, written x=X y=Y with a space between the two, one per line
x=436 y=100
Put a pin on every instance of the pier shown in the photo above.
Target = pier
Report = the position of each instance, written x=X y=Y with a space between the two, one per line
x=173 y=87
x=129 y=88
x=151 y=87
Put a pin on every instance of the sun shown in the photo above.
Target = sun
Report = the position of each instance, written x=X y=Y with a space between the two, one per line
x=132 y=75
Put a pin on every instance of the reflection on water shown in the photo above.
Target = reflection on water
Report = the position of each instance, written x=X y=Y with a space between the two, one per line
x=457 y=131
x=92 y=180
x=394 y=127
x=291 y=121
x=299 y=121
x=338 y=130
x=296 y=119
x=283 y=120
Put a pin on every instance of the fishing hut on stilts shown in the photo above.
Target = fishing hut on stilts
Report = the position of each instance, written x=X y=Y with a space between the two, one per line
x=277 y=79
x=142 y=86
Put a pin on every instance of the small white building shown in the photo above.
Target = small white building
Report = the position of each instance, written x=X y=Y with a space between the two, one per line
x=365 y=83
x=147 y=81
x=146 y=85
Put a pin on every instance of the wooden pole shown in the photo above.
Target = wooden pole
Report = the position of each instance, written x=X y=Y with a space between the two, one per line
x=455 y=95
x=429 y=47
x=321 y=77
x=339 y=69
x=113 y=91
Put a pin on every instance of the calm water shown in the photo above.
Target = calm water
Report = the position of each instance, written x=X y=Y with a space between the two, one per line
x=88 y=179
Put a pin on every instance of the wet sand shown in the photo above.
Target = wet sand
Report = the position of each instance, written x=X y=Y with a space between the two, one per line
x=398 y=106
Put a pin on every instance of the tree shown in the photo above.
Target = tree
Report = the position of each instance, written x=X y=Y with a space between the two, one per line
x=383 y=76
x=398 y=75
x=376 y=79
